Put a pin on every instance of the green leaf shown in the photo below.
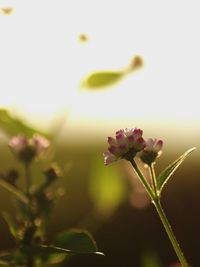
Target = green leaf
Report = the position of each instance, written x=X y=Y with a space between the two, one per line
x=12 y=189
x=79 y=244
x=5 y=260
x=14 y=257
x=77 y=241
x=45 y=253
x=167 y=173
x=101 y=79
x=13 y=126
x=11 y=224
x=50 y=254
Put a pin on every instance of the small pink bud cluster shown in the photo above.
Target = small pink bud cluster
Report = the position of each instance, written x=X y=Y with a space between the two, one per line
x=26 y=149
x=128 y=143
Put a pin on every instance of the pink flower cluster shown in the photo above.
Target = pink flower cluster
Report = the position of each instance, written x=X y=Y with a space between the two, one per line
x=26 y=149
x=128 y=142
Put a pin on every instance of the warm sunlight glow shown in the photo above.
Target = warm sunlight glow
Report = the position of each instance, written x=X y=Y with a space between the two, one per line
x=47 y=48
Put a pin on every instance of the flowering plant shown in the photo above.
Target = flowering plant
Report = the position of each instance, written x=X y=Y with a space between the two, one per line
x=128 y=144
x=33 y=208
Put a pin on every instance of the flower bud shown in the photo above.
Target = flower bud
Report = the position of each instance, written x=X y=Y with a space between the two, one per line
x=39 y=143
x=52 y=173
x=27 y=149
x=151 y=151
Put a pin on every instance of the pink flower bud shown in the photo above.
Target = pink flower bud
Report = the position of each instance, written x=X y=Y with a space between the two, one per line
x=18 y=143
x=26 y=149
x=39 y=143
x=151 y=151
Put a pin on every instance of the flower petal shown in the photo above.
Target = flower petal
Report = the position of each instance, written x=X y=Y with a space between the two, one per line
x=109 y=157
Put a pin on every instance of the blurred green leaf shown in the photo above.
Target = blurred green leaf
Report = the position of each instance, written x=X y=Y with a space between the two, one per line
x=107 y=187
x=56 y=258
x=18 y=256
x=13 y=126
x=77 y=241
x=11 y=224
x=73 y=243
x=44 y=251
x=150 y=259
x=15 y=257
x=167 y=173
x=14 y=190
x=7 y=257
x=101 y=79
x=5 y=260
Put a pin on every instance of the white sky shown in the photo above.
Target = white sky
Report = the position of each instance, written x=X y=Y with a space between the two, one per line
x=42 y=61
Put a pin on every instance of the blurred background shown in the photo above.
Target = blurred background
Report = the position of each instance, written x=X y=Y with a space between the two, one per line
x=79 y=70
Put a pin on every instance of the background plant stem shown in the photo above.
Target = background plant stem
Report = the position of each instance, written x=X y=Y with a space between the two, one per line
x=28 y=179
x=29 y=236
x=19 y=194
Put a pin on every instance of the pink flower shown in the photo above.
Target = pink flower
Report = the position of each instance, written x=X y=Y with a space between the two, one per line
x=151 y=151
x=26 y=149
x=39 y=143
x=126 y=144
x=18 y=143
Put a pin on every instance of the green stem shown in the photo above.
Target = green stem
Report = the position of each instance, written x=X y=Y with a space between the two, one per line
x=170 y=234
x=28 y=193
x=143 y=179
x=153 y=178
x=20 y=195
x=28 y=179
x=30 y=230
x=155 y=197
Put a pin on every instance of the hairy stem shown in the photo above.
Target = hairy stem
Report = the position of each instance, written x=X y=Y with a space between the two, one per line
x=153 y=179
x=143 y=179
